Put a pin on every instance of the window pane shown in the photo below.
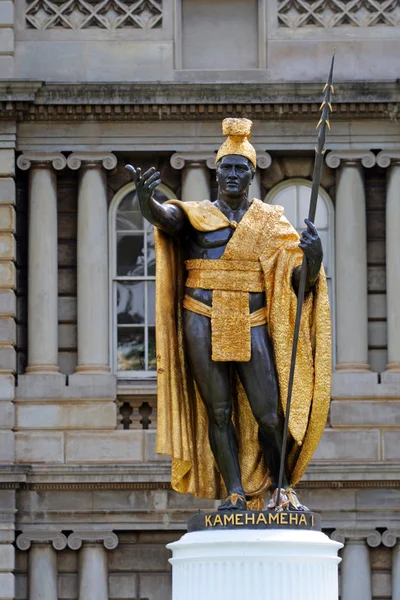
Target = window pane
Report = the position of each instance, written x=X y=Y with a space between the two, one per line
x=129 y=217
x=151 y=302
x=151 y=254
x=287 y=199
x=131 y=355
x=130 y=303
x=152 y=349
x=130 y=255
x=321 y=216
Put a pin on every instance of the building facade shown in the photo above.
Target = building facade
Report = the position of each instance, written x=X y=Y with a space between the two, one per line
x=88 y=86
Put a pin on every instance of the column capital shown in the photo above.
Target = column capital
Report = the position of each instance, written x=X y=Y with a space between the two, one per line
x=390 y=537
x=386 y=157
x=366 y=157
x=42 y=536
x=180 y=159
x=57 y=160
x=372 y=537
x=107 y=159
x=77 y=538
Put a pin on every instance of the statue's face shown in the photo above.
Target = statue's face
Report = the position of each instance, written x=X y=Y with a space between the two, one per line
x=234 y=174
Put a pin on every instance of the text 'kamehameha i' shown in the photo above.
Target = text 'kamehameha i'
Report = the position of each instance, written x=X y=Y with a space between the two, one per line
x=269 y=519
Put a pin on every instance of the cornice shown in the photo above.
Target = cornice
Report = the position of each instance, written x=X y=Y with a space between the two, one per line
x=38 y=101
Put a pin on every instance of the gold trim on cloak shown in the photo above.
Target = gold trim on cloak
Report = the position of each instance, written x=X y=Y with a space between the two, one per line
x=182 y=429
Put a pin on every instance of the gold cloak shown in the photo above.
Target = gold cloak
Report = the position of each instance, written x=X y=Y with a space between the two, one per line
x=182 y=429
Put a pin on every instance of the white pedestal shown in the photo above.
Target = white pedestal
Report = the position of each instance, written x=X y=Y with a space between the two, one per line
x=255 y=565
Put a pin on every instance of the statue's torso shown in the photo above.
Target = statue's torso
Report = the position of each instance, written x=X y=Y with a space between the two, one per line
x=211 y=245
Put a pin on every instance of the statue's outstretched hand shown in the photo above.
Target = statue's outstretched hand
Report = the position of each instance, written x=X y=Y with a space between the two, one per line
x=145 y=184
x=168 y=218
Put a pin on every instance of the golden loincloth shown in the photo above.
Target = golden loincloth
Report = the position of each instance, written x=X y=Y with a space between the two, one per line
x=257 y=318
x=231 y=282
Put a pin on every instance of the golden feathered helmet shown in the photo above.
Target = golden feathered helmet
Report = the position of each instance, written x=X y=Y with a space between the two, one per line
x=238 y=132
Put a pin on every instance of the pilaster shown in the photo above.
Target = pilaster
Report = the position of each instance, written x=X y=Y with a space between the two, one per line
x=351 y=261
x=93 y=309
x=93 y=561
x=390 y=160
x=356 y=566
x=391 y=539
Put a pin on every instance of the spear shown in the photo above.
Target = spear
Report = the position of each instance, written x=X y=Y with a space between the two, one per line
x=323 y=123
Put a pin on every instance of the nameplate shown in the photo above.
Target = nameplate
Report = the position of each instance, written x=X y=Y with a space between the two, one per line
x=249 y=519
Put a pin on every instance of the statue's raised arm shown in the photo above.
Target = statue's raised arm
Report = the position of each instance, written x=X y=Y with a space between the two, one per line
x=169 y=218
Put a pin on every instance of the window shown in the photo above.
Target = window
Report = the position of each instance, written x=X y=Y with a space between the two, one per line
x=133 y=285
x=294 y=196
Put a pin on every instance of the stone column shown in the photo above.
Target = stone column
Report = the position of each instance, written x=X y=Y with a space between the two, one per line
x=93 y=290
x=356 y=568
x=264 y=160
x=42 y=268
x=195 y=174
x=390 y=160
x=93 y=567
x=351 y=259
x=391 y=539
x=42 y=562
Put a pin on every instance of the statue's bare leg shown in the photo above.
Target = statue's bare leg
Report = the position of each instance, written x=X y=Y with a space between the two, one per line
x=213 y=382
x=260 y=381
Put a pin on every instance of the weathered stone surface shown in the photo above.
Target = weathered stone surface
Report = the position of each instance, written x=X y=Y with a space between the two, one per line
x=155 y=586
x=6 y=12
x=150 y=455
x=377 y=334
x=7 y=164
x=391 y=446
x=6 y=447
x=139 y=557
x=83 y=415
x=21 y=586
x=99 y=385
x=7 y=389
x=360 y=413
x=7 y=275
x=67 y=361
x=7 y=303
x=7 y=415
x=7 y=246
x=273 y=175
x=7 y=331
x=7 y=586
x=67 y=309
x=7 y=42
x=381 y=585
x=39 y=447
x=7 y=557
x=349 y=445
x=117 y=446
x=67 y=560
x=7 y=186
x=298 y=166
x=8 y=358
x=67 y=586
x=123 y=585
x=7 y=217
x=67 y=336
x=377 y=499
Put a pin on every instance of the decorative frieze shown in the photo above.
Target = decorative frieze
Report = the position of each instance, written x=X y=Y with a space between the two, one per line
x=92 y=14
x=336 y=13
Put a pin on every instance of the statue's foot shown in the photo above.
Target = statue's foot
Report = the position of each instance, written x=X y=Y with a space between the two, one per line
x=288 y=500
x=234 y=502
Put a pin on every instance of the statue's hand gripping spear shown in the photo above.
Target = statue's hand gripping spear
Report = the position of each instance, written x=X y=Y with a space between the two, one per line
x=323 y=123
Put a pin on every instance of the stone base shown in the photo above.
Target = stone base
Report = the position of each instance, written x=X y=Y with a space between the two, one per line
x=242 y=564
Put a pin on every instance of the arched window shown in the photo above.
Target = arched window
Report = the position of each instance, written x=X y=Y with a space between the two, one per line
x=294 y=196
x=132 y=266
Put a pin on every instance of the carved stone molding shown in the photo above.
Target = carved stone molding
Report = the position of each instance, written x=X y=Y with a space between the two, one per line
x=264 y=160
x=372 y=537
x=27 y=538
x=107 y=159
x=25 y=160
x=180 y=159
x=107 y=538
x=386 y=157
x=390 y=537
x=367 y=158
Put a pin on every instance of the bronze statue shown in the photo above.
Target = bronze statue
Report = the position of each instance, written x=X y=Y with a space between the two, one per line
x=227 y=275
